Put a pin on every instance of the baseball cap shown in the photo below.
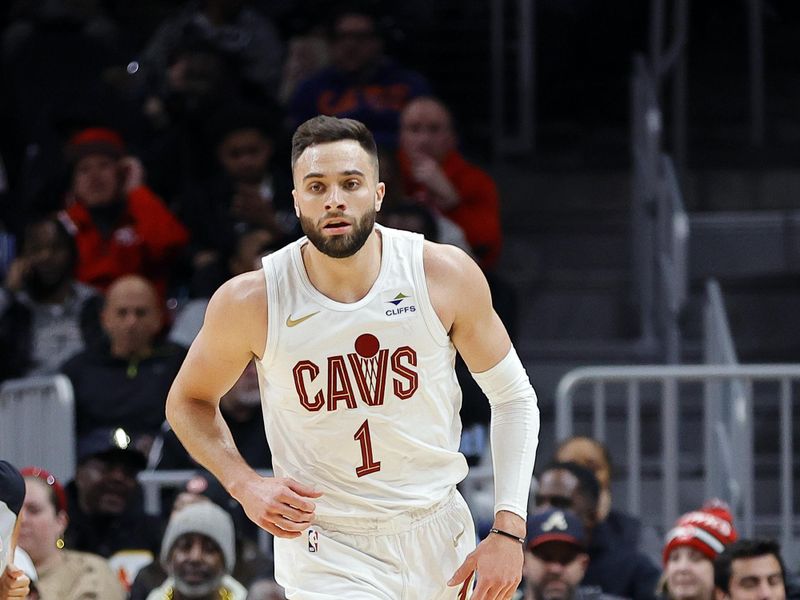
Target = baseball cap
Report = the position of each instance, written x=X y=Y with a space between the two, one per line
x=555 y=525
x=95 y=140
x=708 y=530
x=108 y=444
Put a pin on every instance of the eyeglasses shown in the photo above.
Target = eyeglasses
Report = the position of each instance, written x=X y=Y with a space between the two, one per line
x=553 y=500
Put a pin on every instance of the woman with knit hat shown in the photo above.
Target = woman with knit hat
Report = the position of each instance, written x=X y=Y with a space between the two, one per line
x=690 y=548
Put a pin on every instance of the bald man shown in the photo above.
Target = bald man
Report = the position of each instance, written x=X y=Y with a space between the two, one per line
x=123 y=382
x=435 y=173
x=131 y=317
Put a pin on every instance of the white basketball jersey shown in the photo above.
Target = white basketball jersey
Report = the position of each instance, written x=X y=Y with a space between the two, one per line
x=361 y=399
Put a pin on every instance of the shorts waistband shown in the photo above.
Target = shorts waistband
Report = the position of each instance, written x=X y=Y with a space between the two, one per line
x=391 y=524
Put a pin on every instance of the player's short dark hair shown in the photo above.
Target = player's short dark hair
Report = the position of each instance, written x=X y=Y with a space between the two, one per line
x=588 y=485
x=744 y=548
x=323 y=130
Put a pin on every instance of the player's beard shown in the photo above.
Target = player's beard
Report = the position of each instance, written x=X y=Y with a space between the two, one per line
x=340 y=246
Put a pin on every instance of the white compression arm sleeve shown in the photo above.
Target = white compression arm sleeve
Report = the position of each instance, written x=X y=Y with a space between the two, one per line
x=514 y=431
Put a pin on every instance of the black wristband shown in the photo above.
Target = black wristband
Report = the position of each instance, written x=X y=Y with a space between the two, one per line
x=508 y=535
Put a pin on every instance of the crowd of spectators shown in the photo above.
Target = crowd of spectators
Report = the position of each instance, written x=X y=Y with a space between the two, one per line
x=703 y=561
x=139 y=170
x=580 y=548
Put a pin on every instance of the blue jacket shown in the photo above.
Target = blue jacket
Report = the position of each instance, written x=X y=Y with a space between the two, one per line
x=375 y=97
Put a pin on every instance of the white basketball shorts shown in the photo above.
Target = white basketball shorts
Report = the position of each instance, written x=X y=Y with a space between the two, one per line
x=408 y=557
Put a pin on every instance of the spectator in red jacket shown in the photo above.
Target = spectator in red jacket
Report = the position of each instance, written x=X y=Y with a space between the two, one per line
x=434 y=172
x=121 y=227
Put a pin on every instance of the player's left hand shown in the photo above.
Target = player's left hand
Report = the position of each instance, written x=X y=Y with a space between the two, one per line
x=497 y=563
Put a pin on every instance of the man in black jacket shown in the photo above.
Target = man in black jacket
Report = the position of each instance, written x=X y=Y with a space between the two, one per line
x=124 y=381
x=105 y=505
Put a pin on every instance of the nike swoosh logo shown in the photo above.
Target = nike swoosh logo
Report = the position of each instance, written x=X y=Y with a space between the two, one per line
x=292 y=322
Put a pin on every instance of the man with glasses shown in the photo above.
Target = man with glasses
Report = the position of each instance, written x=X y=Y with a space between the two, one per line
x=615 y=568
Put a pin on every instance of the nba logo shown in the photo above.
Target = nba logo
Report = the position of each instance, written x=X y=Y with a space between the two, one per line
x=313 y=540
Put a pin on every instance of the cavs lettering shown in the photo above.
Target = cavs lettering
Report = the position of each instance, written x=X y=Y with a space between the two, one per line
x=356 y=396
x=363 y=375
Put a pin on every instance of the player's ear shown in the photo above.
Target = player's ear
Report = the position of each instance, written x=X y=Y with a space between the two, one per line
x=380 y=191
x=294 y=200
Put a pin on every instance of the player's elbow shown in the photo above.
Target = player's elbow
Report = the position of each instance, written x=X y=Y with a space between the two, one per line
x=176 y=404
x=184 y=409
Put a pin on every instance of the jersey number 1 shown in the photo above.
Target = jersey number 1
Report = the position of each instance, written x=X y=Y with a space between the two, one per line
x=368 y=462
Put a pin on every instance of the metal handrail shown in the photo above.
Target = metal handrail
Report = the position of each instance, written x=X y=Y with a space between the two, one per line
x=728 y=466
x=37 y=408
x=523 y=137
x=655 y=372
x=646 y=131
x=660 y=224
x=672 y=223
x=670 y=376
x=718 y=346
x=671 y=60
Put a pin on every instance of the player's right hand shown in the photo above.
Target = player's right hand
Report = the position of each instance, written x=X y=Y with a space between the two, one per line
x=13 y=584
x=281 y=506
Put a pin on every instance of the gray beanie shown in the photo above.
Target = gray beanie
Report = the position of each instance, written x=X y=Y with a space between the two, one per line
x=205 y=518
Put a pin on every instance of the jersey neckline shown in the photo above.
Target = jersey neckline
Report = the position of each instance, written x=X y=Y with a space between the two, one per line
x=330 y=303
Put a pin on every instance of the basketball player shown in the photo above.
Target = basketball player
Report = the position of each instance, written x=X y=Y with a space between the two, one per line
x=354 y=330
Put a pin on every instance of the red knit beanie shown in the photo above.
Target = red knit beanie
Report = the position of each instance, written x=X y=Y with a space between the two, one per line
x=707 y=530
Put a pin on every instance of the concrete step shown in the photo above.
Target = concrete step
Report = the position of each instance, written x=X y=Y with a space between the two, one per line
x=568 y=252
x=763 y=316
x=577 y=314
x=525 y=191
x=741 y=189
